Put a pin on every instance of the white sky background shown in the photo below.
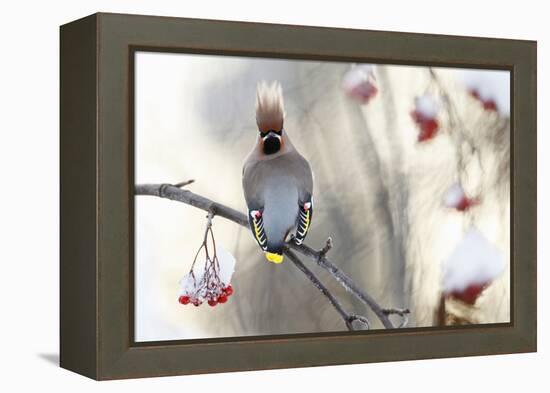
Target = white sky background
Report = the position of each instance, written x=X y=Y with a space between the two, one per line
x=174 y=143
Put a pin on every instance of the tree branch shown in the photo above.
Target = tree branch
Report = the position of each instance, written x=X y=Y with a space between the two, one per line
x=348 y=318
x=344 y=280
x=173 y=192
x=176 y=194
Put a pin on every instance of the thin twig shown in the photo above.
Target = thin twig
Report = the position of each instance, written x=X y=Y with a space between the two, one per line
x=184 y=183
x=458 y=129
x=344 y=280
x=348 y=318
x=399 y=311
x=402 y=312
x=185 y=196
x=209 y=218
x=328 y=246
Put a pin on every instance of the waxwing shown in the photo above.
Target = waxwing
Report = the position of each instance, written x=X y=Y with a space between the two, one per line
x=277 y=180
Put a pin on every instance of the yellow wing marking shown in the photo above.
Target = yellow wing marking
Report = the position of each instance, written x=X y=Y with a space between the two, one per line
x=306 y=224
x=258 y=232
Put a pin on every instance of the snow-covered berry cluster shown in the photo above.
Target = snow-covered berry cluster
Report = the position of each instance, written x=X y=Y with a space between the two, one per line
x=472 y=266
x=359 y=83
x=213 y=295
x=209 y=280
x=456 y=198
x=424 y=115
x=488 y=103
x=489 y=88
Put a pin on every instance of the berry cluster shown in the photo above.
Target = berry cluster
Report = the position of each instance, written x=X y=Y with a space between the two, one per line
x=428 y=126
x=466 y=203
x=363 y=92
x=424 y=115
x=488 y=103
x=359 y=83
x=213 y=296
x=470 y=294
x=471 y=267
x=209 y=277
x=456 y=198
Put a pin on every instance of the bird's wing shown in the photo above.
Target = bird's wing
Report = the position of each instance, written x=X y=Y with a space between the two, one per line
x=255 y=219
x=304 y=220
x=252 y=184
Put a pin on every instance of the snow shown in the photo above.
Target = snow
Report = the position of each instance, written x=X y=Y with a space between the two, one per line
x=227 y=264
x=188 y=284
x=454 y=195
x=359 y=83
x=490 y=85
x=474 y=261
x=427 y=106
x=357 y=75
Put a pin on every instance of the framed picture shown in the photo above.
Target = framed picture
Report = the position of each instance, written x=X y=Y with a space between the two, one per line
x=241 y=196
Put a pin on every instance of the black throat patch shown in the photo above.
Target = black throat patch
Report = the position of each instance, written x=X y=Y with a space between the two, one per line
x=272 y=145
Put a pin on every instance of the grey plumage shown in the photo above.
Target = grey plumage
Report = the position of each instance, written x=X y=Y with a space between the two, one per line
x=278 y=181
x=277 y=185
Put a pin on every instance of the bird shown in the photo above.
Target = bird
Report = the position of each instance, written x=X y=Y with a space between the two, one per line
x=277 y=180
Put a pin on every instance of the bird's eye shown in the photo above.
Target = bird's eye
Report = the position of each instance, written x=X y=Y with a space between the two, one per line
x=263 y=134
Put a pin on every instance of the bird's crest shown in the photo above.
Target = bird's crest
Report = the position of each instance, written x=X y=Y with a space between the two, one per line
x=270 y=109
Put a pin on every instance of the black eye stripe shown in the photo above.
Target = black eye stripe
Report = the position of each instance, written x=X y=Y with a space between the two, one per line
x=264 y=134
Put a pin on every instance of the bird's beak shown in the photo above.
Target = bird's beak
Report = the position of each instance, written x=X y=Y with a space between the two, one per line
x=275 y=258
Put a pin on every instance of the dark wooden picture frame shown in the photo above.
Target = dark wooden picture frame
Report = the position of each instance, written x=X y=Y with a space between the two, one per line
x=97 y=191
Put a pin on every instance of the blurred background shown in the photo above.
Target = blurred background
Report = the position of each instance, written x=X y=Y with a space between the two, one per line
x=379 y=188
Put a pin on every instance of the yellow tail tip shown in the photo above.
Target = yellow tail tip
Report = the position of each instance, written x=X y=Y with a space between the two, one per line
x=272 y=257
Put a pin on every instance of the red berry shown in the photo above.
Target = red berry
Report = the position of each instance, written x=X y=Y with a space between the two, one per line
x=222 y=298
x=470 y=294
x=184 y=299
x=428 y=129
x=197 y=302
x=212 y=302
x=363 y=92
x=466 y=203
x=428 y=126
x=463 y=204
x=490 y=105
x=228 y=290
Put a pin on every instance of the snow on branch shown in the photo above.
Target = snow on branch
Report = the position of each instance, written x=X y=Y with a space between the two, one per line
x=175 y=193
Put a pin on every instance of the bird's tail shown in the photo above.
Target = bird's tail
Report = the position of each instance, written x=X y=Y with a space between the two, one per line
x=274 y=257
